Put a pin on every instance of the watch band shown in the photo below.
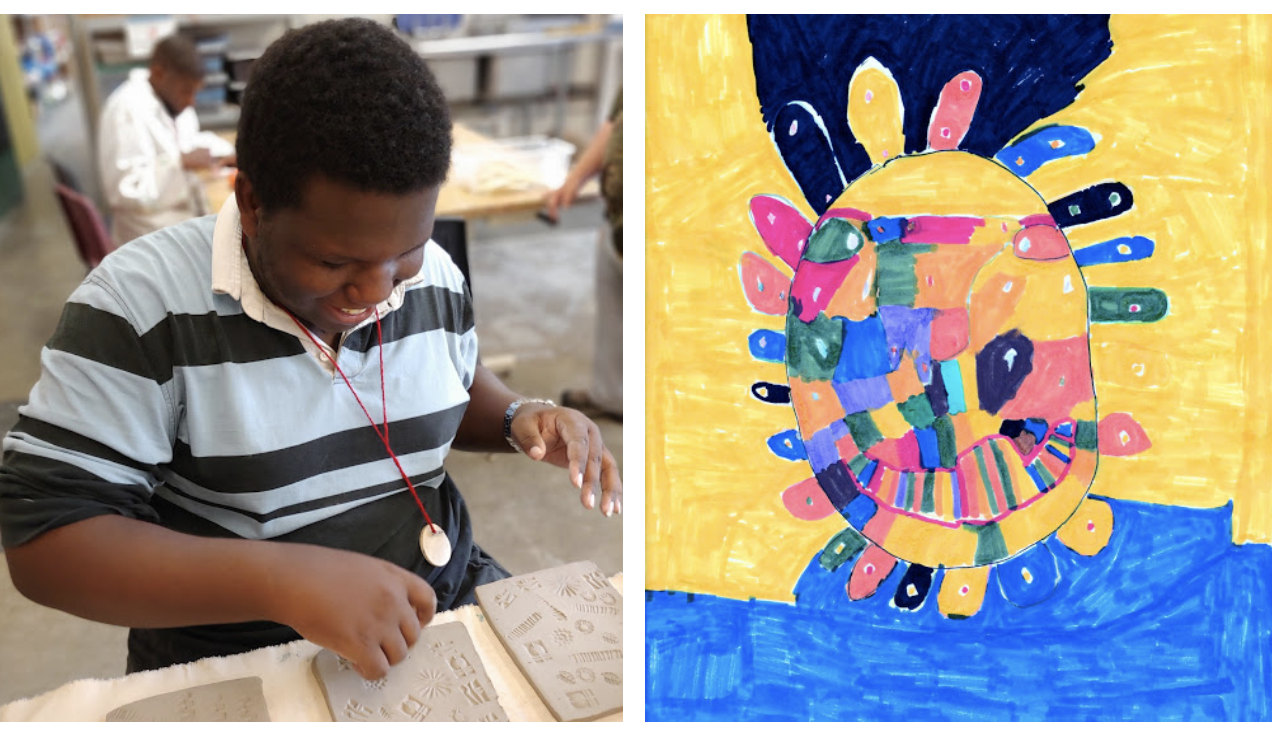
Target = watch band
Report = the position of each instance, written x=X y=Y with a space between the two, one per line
x=512 y=409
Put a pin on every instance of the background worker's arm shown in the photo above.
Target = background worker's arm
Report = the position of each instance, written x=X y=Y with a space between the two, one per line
x=128 y=572
x=587 y=166
x=563 y=437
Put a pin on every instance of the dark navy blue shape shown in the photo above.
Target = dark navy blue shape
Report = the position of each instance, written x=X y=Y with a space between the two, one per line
x=799 y=136
x=913 y=588
x=1001 y=366
x=1030 y=66
x=773 y=393
x=836 y=482
x=938 y=397
x=1099 y=202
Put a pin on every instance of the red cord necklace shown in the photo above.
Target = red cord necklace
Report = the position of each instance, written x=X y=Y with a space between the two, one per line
x=433 y=540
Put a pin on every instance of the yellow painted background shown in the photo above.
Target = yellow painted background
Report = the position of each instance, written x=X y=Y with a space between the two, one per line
x=1180 y=113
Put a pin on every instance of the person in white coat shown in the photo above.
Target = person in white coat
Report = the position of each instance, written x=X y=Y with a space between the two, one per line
x=148 y=144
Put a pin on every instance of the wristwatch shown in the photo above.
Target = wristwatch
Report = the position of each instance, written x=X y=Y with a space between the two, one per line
x=512 y=409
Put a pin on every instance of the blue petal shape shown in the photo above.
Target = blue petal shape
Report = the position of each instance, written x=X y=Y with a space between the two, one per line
x=1044 y=145
x=1030 y=577
x=788 y=446
x=1117 y=250
x=768 y=345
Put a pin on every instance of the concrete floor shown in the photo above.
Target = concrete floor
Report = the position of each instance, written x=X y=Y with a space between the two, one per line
x=525 y=514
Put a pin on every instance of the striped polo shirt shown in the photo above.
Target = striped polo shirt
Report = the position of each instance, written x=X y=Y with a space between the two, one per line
x=173 y=391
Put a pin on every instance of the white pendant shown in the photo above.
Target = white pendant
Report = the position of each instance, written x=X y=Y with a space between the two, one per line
x=435 y=545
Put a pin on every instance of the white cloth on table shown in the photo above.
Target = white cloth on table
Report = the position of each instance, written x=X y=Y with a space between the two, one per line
x=292 y=691
x=139 y=147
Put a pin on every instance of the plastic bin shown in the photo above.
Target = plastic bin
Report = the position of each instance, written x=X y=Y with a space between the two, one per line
x=512 y=164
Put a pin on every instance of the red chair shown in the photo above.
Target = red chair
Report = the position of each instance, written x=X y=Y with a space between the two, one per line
x=91 y=238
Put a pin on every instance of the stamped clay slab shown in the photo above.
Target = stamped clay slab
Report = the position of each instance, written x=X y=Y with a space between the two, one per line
x=232 y=700
x=441 y=679
x=564 y=629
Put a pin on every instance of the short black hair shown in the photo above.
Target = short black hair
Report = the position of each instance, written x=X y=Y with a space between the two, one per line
x=348 y=99
x=178 y=54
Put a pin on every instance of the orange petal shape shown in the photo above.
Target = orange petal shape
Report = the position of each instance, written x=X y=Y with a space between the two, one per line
x=766 y=287
x=1041 y=243
x=783 y=228
x=1121 y=435
x=1089 y=529
x=871 y=568
x=806 y=500
x=962 y=591
x=953 y=113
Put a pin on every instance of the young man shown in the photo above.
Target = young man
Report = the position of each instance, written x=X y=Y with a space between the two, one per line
x=147 y=143
x=206 y=456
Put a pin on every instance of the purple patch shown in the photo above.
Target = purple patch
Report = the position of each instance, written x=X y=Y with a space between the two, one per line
x=821 y=449
x=909 y=329
x=863 y=394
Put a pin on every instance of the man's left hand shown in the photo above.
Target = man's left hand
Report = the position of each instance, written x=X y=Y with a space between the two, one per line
x=568 y=439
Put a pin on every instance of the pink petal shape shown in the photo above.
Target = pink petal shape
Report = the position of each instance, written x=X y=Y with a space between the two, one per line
x=953 y=113
x=871 y=568
x=1121 y=435
x=1040 y=243
x=806 y=500
x=815 y=284
x=783 y=228
x=765 y=286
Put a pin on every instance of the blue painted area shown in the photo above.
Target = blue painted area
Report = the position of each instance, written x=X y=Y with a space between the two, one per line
x=1040 y=147
x=929 y=450
x=1117 y=250
x=863 y=507
x=884 y=229
x=1058 y=453
x=1170 y=622
x=768 y=345
x=1031 y=66
x=1029 y=578
x=788 y=445
x=865 y=350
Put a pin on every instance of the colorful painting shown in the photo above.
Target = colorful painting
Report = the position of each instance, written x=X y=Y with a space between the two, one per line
x=953 y=368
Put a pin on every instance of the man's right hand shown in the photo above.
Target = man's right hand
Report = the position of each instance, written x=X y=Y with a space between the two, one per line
x=129 y=572
x=199 y=158
x=367 y=610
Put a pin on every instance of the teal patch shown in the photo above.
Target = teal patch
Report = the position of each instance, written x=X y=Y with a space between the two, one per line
x=842 y=547
x=836 y=240
x=812 y=349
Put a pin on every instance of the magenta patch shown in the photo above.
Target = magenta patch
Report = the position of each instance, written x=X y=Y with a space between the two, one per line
x=941 y=230
x=782 y=227
x=815 y=284
x=1032 y=220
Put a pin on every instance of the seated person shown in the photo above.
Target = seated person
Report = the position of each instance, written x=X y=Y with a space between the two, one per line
x=147 y=144
x=239 y=432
